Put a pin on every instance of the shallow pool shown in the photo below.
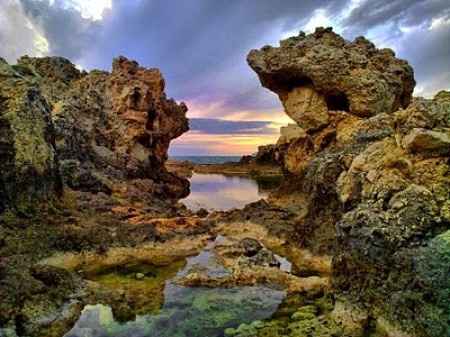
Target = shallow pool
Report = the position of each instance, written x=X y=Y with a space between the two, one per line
x=171 y=310
x=220 y=192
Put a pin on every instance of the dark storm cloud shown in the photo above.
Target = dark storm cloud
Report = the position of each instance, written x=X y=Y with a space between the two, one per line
x=399 y=12
x=412 y=28
x=224 y=127
x=68 y=34
x=200 y=45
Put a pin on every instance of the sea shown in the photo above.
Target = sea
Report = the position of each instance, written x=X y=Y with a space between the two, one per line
x=208 y=159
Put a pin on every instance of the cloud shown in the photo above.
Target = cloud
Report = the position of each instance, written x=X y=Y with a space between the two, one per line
x=225 y=127
x=201 y=45
x=69 y=33
x=418 y=30
x=369 y=14
x=18 y=35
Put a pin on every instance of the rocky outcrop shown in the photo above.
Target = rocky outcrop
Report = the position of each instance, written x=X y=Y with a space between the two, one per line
x=321 y=71
x=83 y=169
x=29 y=172
x=110 y=131
x=369 y=173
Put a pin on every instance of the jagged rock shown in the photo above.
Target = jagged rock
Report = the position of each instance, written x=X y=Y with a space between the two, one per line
x=267 y=154
x=371 y=178
x=111 y=127
x=29 y=173
x=351 y=76
x=298 y=154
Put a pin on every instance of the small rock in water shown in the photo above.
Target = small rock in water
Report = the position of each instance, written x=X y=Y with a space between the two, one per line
x=139 y=276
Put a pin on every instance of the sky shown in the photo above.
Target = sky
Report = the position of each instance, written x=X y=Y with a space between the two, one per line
x=201 y=47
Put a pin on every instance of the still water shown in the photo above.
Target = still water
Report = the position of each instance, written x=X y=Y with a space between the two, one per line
x=183 y=311
x=220 y=192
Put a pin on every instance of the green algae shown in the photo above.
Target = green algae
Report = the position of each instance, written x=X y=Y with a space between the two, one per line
x=296 y=317
x=433 y=267
x=172 y=309
x=194 y=312
x=142 y=284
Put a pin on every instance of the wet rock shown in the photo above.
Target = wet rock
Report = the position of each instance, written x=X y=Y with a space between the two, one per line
x=52 y=276
x=139 y=276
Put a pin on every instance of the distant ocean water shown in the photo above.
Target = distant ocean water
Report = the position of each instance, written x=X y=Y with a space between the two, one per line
x=208 y=159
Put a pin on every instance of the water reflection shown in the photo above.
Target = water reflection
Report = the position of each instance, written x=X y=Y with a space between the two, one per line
x=220 y=192
x=186 y=312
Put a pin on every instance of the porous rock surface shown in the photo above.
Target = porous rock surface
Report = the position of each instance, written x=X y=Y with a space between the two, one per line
x=320 y=70
x=82 y=170
x=27 y=142
x=370 y=175
x=94 y=130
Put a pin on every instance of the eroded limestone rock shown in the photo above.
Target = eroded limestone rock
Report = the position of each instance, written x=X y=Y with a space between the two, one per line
x=289 y=133
x=371 y=177
x=307 y=107
x=421 y=140
x=110 y=128
x=351 y=76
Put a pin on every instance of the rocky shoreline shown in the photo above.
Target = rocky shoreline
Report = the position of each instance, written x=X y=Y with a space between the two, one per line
x=89 y=208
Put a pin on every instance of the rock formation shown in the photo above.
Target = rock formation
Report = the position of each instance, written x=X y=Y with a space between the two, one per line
x=370 y=174
x=27 y=142
x=319 y=72
x=106 y=129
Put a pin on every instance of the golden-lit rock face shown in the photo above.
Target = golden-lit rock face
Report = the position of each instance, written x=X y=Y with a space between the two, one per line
x=307 y=107
x=150 y=120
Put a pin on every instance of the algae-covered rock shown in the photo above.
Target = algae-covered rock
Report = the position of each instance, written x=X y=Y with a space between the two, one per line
x=29 y=173
x=115 y=126
x=370 y=175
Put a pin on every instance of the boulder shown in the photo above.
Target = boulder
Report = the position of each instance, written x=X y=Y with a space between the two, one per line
x=289 y=133
x=308 y=71
x=307 y=107
x=369 y=176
